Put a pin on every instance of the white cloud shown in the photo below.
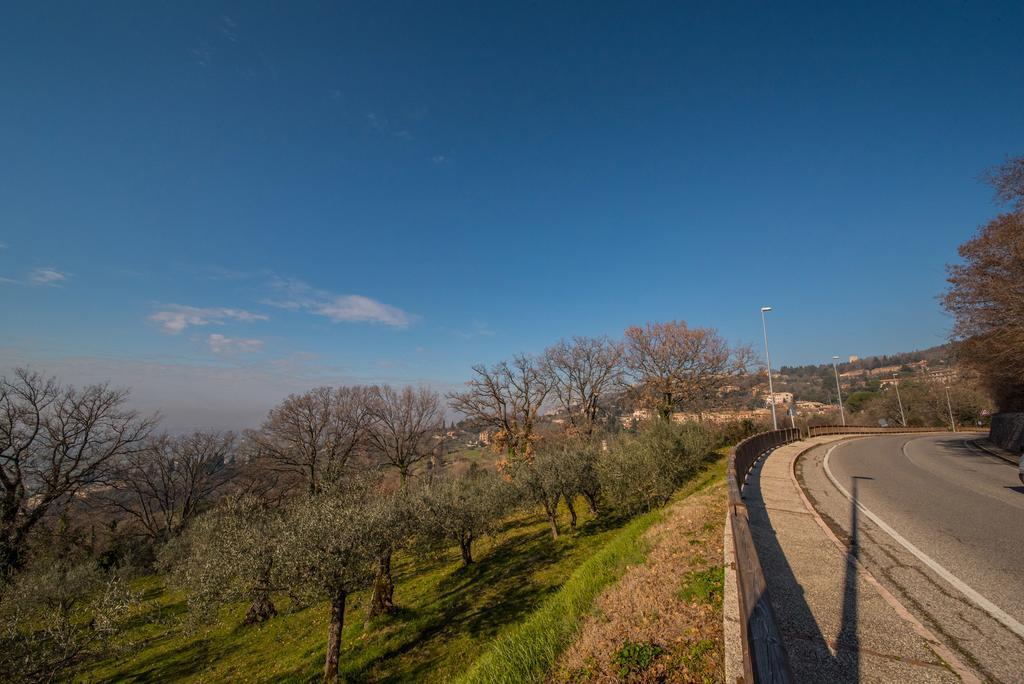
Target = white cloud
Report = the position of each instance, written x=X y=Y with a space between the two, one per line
x=344 y=308
x=219 y=344
x=176 y=318
x=47 y=275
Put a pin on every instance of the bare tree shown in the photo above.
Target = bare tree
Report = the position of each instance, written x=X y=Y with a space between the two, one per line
x=674 y=366
x=1008 y=181
x=986 y=296
x=163 y=487
x=507 y=398
x=55 y=443
x=580 y=374
x=313 y=435
x=404 y=423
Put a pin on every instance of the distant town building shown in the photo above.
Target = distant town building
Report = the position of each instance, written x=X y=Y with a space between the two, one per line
x=780 y=398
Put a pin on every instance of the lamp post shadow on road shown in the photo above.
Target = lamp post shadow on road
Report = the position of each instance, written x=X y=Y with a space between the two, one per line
x=848 y=640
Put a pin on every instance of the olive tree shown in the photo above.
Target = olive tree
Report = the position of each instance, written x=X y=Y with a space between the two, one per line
x=55 y=443
x=57 y=613
x=642 y=471
x=229 y=555
x=463 y=509
x=327 y=549
x=541 y=481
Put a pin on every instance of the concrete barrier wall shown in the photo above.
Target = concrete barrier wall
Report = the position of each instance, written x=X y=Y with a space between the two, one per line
x=1007 y=431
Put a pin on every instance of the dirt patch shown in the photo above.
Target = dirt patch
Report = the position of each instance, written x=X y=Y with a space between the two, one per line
x=662 y=622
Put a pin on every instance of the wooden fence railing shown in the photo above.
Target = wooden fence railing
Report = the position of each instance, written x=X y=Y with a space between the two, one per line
x=764 y=656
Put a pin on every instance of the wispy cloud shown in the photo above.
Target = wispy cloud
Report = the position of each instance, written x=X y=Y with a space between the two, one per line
x=47 y=275
x=382 y=124
x=219 y=344
x=7 y=281
x=339 y=308
x=175 y=318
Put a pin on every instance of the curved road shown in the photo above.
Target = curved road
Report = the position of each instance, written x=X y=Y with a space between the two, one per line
x=941 y=523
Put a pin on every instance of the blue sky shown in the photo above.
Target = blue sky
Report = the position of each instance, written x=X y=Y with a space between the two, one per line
x=220 y=204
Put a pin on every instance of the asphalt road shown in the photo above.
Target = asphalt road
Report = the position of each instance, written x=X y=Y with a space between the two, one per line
x=962 y=509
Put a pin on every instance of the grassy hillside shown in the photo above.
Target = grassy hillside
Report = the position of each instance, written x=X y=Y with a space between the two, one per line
x=447 y=616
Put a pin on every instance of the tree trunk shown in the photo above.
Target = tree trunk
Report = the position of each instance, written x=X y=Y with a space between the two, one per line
x=591 y=502
x=552 y=511
x=383 y=600
x=262 y=608
x=572 y=512
x=334 y=637
x=466 y=546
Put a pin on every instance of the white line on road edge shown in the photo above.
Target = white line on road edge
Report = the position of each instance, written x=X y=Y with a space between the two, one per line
x=961 y=586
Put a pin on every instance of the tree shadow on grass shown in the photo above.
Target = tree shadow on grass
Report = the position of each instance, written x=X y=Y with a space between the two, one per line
x=478 y=601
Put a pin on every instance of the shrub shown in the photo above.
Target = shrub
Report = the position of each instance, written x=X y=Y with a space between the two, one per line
x=635 y=657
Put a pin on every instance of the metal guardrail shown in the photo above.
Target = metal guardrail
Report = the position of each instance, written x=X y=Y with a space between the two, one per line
x=818 y=430
x=764 y=656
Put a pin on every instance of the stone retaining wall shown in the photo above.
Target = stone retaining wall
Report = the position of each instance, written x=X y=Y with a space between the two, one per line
x=1007 y=431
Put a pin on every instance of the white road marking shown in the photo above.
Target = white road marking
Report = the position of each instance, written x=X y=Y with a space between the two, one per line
x=961 y=586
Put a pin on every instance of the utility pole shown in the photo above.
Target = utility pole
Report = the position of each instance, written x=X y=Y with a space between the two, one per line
x=949 y=405
x=768 y=359
x=896 y=383
x=839 y=390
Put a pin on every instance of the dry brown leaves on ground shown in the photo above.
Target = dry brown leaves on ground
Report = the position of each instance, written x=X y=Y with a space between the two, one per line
x=662 y=622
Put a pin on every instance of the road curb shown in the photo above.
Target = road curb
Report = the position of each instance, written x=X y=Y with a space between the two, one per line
x=965 y=673
x=977 y=443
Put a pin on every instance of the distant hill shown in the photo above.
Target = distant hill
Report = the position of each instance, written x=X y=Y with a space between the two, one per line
x=817 y=382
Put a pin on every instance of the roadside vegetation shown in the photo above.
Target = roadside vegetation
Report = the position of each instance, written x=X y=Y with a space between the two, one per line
x=334 y=541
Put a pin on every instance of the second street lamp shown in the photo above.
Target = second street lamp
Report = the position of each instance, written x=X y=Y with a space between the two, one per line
x=768 y=359
x=839 y=390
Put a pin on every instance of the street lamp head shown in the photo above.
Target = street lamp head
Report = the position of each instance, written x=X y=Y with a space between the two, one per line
x=835 y=358
x=765 y=309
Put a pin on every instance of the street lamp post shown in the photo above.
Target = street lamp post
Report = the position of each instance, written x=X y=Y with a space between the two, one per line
x=949 y=405
x=896 y=384
x=839 y=390
x=768 y=359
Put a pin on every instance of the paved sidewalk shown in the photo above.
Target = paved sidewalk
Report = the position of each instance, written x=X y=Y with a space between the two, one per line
x=836 y=621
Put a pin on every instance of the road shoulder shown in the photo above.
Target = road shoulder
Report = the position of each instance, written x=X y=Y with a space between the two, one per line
x=836 y=623
x=975 y=639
